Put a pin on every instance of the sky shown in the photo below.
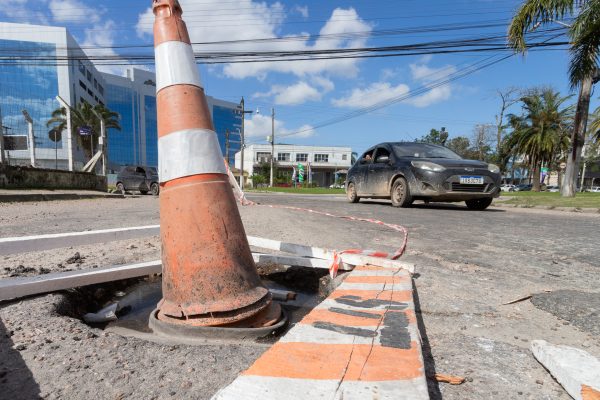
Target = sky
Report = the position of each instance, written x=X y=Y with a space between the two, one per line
x=306 y=95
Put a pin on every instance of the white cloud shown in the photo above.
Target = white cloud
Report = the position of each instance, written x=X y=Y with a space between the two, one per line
x=99 y=40
x=73 y=11
x=23 y=11
x=422 y=72
x=299 y=93
x=434 y=95
x=302 y=11
x=205 y=25
x=375 y=93
x=259 y=126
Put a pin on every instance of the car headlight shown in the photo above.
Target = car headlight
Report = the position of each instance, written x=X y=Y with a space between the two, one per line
x=428 y=166
x=493 y=168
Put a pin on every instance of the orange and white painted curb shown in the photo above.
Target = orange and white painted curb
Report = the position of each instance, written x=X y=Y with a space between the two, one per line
x=362 y=342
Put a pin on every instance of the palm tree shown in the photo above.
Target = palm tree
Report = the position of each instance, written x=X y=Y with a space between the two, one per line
x=594 y=127
x=540 y=132
x=585 y=48
x=83 y=116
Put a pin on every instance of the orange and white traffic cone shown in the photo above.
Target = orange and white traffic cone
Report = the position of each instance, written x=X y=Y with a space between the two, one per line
x=209 y=276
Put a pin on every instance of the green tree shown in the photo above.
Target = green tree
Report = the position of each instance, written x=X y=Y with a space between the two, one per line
x=540 y=133
x=83 y=115
x=435 y=137
x=585 y=48
x=461 y=146
x=594 y=127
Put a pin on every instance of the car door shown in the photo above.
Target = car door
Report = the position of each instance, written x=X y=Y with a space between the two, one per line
x=362 y=168
x=138 y=178
x=380 y=172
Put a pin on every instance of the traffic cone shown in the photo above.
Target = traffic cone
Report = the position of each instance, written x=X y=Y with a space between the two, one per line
x=209 y=276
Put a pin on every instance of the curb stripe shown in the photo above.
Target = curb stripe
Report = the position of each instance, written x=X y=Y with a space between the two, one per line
x=176 y=65
x=265 y=388
x=189 y=152
x=357 y=344
x=337 y=361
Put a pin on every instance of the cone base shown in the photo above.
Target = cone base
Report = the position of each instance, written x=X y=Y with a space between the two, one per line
x=269 y=321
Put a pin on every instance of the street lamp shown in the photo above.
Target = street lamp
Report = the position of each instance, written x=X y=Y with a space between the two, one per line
x=242 y=140
x=30 y=136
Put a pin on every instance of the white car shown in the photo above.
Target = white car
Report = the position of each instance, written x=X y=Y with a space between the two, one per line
x=594 y=189
x=552 y=189
x=507 y=188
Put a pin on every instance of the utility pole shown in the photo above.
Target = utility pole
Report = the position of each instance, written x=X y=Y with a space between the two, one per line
x=102 y=142
x=272 y=143
x=2 y=160
x=69 y=132
x=30 y=136
x=227 y=146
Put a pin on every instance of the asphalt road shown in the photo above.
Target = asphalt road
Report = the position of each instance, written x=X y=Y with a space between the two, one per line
x=469 y=264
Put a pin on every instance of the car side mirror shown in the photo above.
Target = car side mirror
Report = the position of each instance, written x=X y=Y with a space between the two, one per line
x=383 y=159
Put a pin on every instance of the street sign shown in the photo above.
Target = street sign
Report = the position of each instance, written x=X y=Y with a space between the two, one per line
x=85 y=131
x=55 y=135
x=15 y=142
x=300 y=173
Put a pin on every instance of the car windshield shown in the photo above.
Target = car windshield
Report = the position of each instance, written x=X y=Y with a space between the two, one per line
x=424 y=150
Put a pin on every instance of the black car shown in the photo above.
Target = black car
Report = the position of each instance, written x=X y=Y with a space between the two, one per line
x=408 y=171
x=138 y=178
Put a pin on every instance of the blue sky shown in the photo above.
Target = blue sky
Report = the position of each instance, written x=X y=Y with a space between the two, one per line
x=307 y=93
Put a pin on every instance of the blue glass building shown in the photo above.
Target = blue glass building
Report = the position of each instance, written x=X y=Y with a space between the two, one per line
x=33 y=86
x=133 y=97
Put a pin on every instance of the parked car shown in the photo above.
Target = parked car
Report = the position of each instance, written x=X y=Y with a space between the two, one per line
x=552 y=189
x=523 y=188
x=138 y=178
x=594 y=189
x=507 y=188
x=407 y=171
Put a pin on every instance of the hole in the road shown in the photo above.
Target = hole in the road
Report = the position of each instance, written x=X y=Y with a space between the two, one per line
x=136 y=298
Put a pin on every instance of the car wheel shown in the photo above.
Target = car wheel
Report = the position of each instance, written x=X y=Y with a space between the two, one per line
x=401 y=193
x=120 y=188
x=479 y=204
x=155 y=189
x=351 y=193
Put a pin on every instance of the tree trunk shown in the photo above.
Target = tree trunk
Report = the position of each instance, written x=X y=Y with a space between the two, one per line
x=569 y=186
x=537 y=170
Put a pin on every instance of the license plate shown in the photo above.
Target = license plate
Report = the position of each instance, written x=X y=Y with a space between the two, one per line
x=471 y=180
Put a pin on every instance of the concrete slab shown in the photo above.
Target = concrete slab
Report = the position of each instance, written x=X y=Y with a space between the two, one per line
x=361 y=342
x=576 y=370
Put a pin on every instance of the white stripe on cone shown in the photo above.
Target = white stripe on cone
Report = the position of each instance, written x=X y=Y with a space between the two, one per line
x=189 y=152
x=175 y=65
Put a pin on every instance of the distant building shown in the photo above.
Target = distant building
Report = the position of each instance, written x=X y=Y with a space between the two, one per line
x=324 y=163
x=133 y=97
x=54 y=65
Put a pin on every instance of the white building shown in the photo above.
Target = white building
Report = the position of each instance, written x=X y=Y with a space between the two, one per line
x=325 y=163
x=48 y=62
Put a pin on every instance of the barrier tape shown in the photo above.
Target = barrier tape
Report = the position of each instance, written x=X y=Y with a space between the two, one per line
x=335 y=265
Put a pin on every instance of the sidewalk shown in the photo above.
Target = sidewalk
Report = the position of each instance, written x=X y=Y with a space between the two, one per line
x=24 y=195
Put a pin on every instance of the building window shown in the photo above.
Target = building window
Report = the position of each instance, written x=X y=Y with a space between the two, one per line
x=90 y=92
x=95 y=84
x=344 y=157
x=283 y=157
x=81 y=68
x=101 y=90
x=322 y=158
x=301 y=157
x=263 y=157
x=83 y=85
x=89 y=76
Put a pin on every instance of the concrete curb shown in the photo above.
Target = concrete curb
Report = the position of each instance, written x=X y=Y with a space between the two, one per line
x=33 y=197
x=551 y=208
x=361 y=342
